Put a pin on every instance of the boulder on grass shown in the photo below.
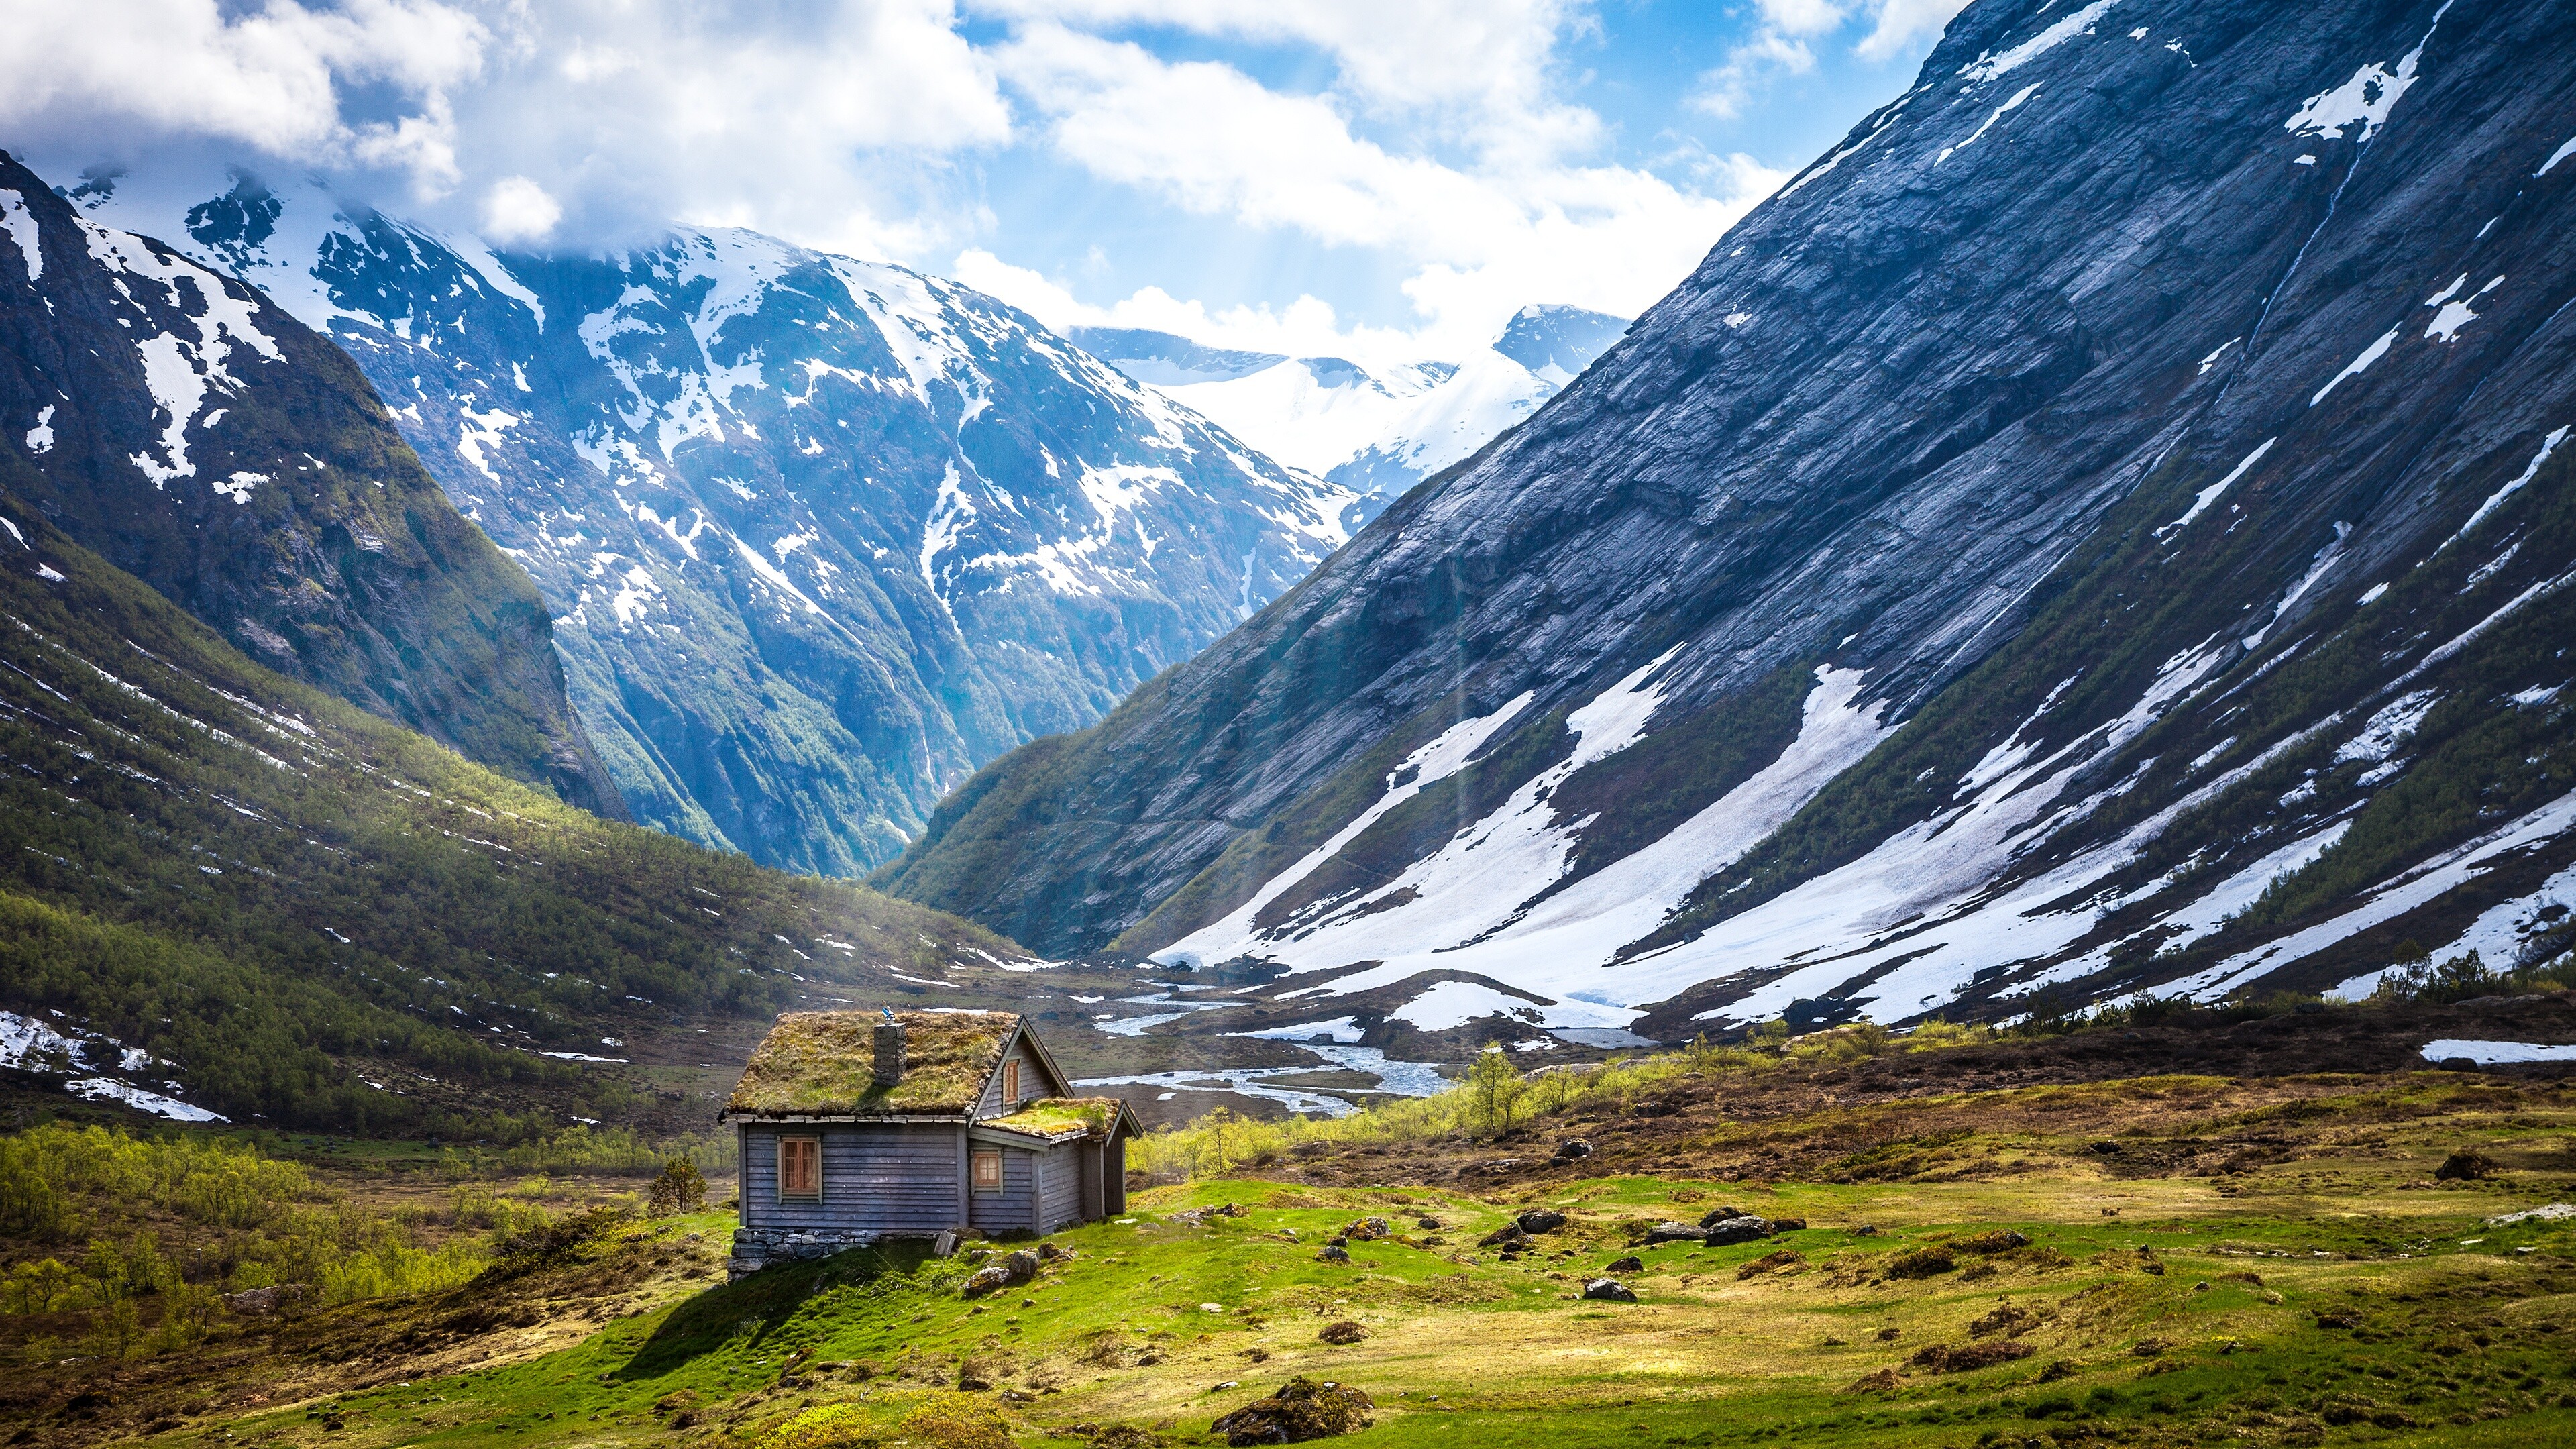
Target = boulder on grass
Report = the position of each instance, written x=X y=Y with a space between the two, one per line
x=1576 y=1148
x=1540 y=1220
x=1301 y=1410
x=2465 y=1167
x=1609 y=1290
x=1717 y=1215
x=1662 y=1233
x=1742 y=1228
x=1630 y=1264
x=1346 y=1331
x=1332 y=1253
x=1367 y=1230
x=1509 y=1236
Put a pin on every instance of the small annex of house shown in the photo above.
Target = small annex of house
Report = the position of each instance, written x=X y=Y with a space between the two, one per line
x=859 y=1126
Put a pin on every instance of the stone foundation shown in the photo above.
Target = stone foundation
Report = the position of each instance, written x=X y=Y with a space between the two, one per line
x=758 y=1248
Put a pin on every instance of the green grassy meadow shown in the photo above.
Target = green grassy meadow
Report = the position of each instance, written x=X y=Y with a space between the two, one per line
x=2341 y=1295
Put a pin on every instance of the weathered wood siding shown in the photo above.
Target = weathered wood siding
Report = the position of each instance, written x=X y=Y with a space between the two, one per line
x=1113 y=1186
x=1033 y=1082
x=1061 y=1204
x=1015 y=1206
x=887 y=1179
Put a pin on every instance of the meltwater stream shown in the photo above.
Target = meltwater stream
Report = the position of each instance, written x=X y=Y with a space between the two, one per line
x=1401 y=1078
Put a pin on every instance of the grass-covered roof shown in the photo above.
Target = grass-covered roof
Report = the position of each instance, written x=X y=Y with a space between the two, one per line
x=823 y=1064
x=1060 y=1117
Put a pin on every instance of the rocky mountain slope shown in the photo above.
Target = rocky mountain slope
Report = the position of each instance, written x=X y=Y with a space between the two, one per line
x=1374 y=432
x=2103 y=528
x=820 y=535
x=177 y=423
x=230 y=896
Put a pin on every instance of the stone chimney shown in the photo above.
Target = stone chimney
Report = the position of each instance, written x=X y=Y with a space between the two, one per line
x=889 y=1045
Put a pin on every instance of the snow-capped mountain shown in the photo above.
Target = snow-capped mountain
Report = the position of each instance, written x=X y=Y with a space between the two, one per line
x=173 y=421
x=820 y=534
x=1374 y=432
x=2106 y=527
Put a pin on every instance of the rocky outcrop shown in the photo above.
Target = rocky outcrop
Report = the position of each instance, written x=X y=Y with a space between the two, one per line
x=2099 y=528
x=186 y=430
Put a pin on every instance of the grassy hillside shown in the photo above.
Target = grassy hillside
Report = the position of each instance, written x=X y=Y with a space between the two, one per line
x=2288 y=1260
x=309 y=916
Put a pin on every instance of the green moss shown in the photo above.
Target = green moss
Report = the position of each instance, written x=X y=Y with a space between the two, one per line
x=823 y=1063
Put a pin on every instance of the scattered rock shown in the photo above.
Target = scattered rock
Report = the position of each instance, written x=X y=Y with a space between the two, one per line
x=1508 y=1236
x=2107 y=1147
x=972 y=1385
x=256 y=1301
x=1347 y=1331
x=2465 y=1167
x=2150 y=1347
x=1742 y=1228
x=1576 y=1148
x=1943 y=1358
x=1630 y=1264
x=1329 y=1253
x=1301 y=1410
x=1608 y=1290
x=1675 y=1233
x=1367 y=1230
x=1053 y=1254
x=1865 y=1230
x=1540 y=1220
x=1497 y=1167
x=1890 y=1335
x=1426 y=1222
x=1788 y=1225
x=1714 y=1216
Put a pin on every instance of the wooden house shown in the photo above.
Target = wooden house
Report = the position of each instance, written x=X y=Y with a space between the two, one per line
x=857 y=1126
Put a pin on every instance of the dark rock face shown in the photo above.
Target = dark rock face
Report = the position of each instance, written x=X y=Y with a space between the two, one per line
x=201 y=439
x=820 y=536
x=2103 y=521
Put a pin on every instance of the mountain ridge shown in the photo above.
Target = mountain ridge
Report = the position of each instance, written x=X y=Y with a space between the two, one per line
x=1959 y=437
x=178 y=423
x=820 y=534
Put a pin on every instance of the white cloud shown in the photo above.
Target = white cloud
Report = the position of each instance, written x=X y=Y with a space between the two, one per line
x=1778 y=46
x=270 y=79
x=1481 y=238
x=1897 y=26
x=518 y=210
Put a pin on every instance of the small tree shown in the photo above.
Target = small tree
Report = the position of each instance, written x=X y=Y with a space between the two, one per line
x=1494 y=1087
x=680 y=1189
x=35 y=1286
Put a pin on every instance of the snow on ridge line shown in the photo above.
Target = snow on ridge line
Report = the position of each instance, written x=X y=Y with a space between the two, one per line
x=1987 y=67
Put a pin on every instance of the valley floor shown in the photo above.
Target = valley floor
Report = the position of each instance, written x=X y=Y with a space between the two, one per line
x=2209 y=1259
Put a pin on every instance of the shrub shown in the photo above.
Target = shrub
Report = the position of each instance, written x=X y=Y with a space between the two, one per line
x=1921 y=1263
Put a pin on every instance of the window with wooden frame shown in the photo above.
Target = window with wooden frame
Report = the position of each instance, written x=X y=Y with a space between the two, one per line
x=1011 y=1082
x=800 y=1169
x=986 y=1174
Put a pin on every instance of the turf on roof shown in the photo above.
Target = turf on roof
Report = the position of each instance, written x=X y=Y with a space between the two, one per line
x=1061 y=1116
x=823 y=1064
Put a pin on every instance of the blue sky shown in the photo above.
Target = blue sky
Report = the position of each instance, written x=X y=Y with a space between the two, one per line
x=1380 y=179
